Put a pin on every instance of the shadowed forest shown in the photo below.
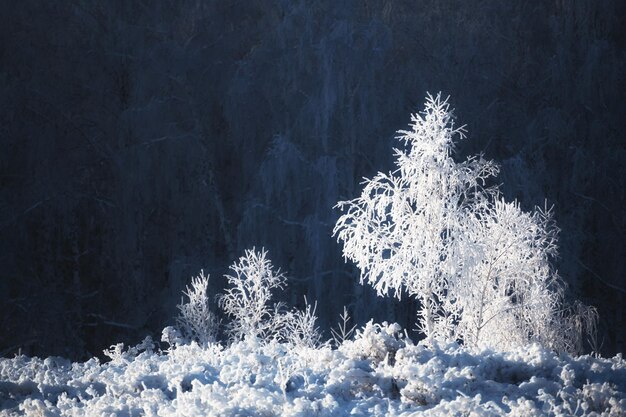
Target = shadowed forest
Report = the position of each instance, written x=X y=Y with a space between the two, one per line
x=142 y=143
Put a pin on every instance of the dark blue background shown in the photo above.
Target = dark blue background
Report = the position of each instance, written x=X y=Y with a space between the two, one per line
x=143 y=141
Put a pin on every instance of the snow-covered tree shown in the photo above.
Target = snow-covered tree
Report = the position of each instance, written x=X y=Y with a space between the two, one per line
x=247 y=300
x=400 y=231
x=505 y=292
x=479 y=266
x=195 y=320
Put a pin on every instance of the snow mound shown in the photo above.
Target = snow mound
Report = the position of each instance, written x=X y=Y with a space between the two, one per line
x=380 y=372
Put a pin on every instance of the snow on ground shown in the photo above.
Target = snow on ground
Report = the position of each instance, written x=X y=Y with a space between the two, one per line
x=378 y=373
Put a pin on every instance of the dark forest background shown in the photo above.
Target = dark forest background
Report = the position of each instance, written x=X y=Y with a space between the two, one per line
x=144 y=141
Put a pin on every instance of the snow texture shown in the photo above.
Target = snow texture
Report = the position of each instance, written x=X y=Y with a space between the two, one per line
x=379 y=372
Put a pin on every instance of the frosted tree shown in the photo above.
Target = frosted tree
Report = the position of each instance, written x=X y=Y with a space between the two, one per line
x=479 y=266
x=400 y=231
x=505 y=293
x=247 y=300
x=195 y=320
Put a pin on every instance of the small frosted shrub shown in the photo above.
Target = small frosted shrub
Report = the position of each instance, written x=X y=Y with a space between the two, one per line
x=247 y=300
x=343 y=332
x=118 y=354
x=171 y=335
x=375 y=342
x=299 y=327
x=196 y=322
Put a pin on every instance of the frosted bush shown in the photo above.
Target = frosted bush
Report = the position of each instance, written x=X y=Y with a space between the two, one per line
x=299 y=327
x=171 y=335
x=343 y=332
x=117 y=353
x=479 y=266
x=247 y=300
x=196 y=321
x=375 y=342
x=506 y=293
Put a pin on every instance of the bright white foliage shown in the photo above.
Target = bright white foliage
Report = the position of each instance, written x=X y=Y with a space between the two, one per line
x=479 y=266
x=299 y=327
x=505 y=294
x=196 y=321
x=247 y=300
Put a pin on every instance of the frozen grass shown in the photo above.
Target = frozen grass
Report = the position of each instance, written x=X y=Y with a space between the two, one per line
x=380 y=372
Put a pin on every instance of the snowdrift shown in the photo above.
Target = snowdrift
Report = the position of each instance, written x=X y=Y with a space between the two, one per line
x=380 y=372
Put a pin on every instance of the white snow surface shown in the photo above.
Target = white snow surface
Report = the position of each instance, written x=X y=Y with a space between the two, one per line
x=380 y=372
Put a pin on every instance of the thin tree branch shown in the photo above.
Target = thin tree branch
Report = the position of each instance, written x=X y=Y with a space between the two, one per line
x=608 y=284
